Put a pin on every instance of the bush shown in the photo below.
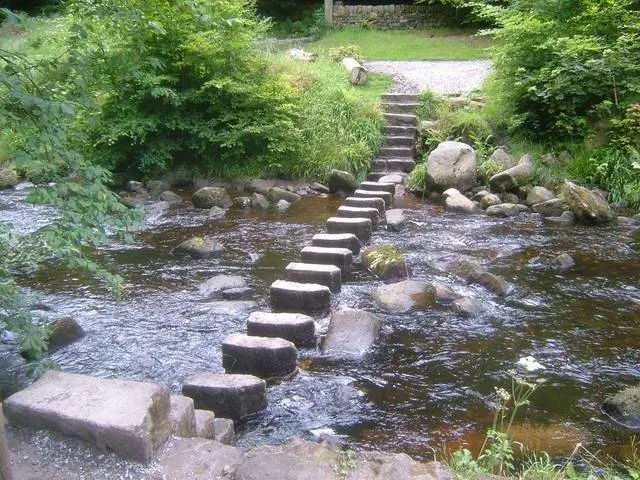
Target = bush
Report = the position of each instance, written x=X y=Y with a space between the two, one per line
x=353 y=51
x=430 y=105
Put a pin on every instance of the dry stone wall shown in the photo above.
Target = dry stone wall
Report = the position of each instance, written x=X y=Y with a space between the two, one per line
x=388 y=16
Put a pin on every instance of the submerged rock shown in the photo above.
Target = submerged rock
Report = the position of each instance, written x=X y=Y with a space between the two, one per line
x=63 y=332
x=467 y=306
x=208 y=197
x=506 y=210
x=587 y=206
x=200 y=247
x=624 y=407
x=259 y=201
x=277 y=194
x=567 y=218
x=563 y=262
x=351 y=333
x=282 y=206
x=220 y=283
x=170 y=197
x=473 y=272
x=452 y=165
x=410 y=295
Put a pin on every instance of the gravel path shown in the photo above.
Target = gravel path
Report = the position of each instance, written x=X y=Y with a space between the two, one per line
x=442 y=77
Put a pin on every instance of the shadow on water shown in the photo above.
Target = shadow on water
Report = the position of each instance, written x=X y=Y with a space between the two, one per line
x=431 y=377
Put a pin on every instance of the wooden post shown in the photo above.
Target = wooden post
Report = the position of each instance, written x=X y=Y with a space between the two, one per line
x=328 y=12
x=5 y=466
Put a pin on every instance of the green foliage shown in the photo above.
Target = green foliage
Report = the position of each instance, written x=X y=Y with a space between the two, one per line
x=384 y=256
x=466 y=125
x=308 y=23
x=346 y=463
x=625 y=133
x=353 y=51
x=430 y=105
x=564 y=64
x=417 y=181
x=488 y=168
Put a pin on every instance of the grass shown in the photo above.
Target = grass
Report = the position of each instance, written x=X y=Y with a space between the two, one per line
x=433 y=44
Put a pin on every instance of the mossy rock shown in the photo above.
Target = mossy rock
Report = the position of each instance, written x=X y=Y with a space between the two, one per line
x=624 y=407
x=8 y=178
x=587 y=206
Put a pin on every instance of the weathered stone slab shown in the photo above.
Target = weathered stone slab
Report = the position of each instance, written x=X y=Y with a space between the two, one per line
x=205 y=423
x=351 y=333
x=327 y=275
x=386 y=196
x=337 y=240
x=359 y=212
x=261 y=356
x=362 y=202
x=231 y=396
x=379 y=187
x=340 y=257
x=182 y=416
x=300 y=297
x=196 y=459
x=295 y=327
x=130 y=419
x=360 y=227
x=224 y=431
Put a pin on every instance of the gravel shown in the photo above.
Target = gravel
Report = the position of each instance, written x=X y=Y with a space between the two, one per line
x=445 y=77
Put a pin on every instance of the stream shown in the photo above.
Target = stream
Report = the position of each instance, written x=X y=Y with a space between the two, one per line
x=430 y=378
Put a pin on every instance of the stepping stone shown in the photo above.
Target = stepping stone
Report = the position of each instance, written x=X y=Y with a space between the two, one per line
x=379 y=186
x=338 y=240
x=400 y=97
x=375 y=176
x=368 y=202
x=327 y=275
x=351 y=333
x=397 y=178
x=263 y=357
x=399 y=141
x=182 y=416
x=400 y=119
x=379 y=165
x=340 y=257
x=401 y=130
x=294 y=327
x=361 y=212
x=396 y=152
x=230 y=396
x=386 y=196
x=205 y=423
x=127 y=418
x=360 y=227
x=395 y=220
x=401 y=164
x=224 y=431
x=308 y=298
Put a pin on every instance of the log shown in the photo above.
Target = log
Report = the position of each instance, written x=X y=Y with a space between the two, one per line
x=357 y=73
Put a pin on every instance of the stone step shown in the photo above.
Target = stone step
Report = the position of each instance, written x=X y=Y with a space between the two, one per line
x=130 y=419
x=403 y=131
x=399 y=178
x=400 y=119
x=361 y=212
x=338 y=240
x=375 y=176
x=386 y=196
x=399 y=141
x=263 y=357
x=360 y=227
x=379 y=165
x=396 y=152
x=399 y=107
x=363 y=202
x=227 y=395
x=401 y=97
x=339 y=257
x=296 y=297
x=295 y=327
x=401 y=164
x=327 y=275
x=378 y=186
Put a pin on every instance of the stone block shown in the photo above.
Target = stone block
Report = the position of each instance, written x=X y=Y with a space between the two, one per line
x=308 y=298
x=182 y=416
x=338 y=240
x=327 y=275
x=360 y=227
x=205 y=423
x=260 y=356
x=224 y=431
x=360 y=212
x=360 y=202
x=386 y=196
x=339 y=257
x=294 y=327
x=351 y=333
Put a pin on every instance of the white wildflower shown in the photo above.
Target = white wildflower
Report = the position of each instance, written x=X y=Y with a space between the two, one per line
x=530 y=364
x=502 y=393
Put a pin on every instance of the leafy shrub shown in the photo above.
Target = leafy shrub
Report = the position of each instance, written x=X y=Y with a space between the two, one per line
x=430 y=104
x=625 y=133
x=468 y=126
x=488 y=168
x=353 y=51
x=417 y=181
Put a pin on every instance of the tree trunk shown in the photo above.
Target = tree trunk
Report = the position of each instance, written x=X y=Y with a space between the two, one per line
x=5 y=466
x=357 y=73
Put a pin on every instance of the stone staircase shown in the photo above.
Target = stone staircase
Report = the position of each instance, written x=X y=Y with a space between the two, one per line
x=397 y=155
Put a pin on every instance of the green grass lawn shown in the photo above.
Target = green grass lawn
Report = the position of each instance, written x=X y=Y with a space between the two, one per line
x=432 y=44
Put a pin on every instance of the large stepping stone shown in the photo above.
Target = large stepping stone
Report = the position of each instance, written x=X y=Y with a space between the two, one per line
x=361 y=202
x=340 y=257
x=327 y=275
x=128 y=418
x=351 y=333
x=182 y=416
x=300 y=297
x=379 y=187
x=386 y=196
x=338 y=240
x=360 y=227
x=294 y=327
x=230 y=396
x=263 y=357
x=359 y=212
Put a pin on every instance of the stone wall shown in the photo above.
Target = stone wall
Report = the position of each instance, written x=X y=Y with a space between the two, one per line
x=388 y=16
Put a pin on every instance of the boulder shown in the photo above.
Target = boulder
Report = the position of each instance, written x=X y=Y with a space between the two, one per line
x=502 y=158
x=8 y=178
x=242 y=202
x=467 y=306
x=170 y=197
x=130 y=419
x=588 y=207
x=282 y=206
x=208 y=197
x=200 y=247
x=538 y=195
x=405 y=296
x=551 y=208
x=506 y=210
x=259 y=201
x=276 y=194
x=218 y=284
x=563 y=262
x=340 y=181
x=195 y=459
x=473 y=272
x=261 y=186
x=238 y=293
x=182 y=416
x=457 y=202
x=224 y=431
x=263 y=357
x=452 y=165
x=319 y=187
x=395 y=219
x=63 y=332
x=489 y=200
x=513 y=177
x=205 y=423
x=230 y=396
x=157 y=187
x=391 y=271
x=624 y=407
x=351 y=333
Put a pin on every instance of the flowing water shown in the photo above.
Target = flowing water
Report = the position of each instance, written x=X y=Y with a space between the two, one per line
x=430 y=378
